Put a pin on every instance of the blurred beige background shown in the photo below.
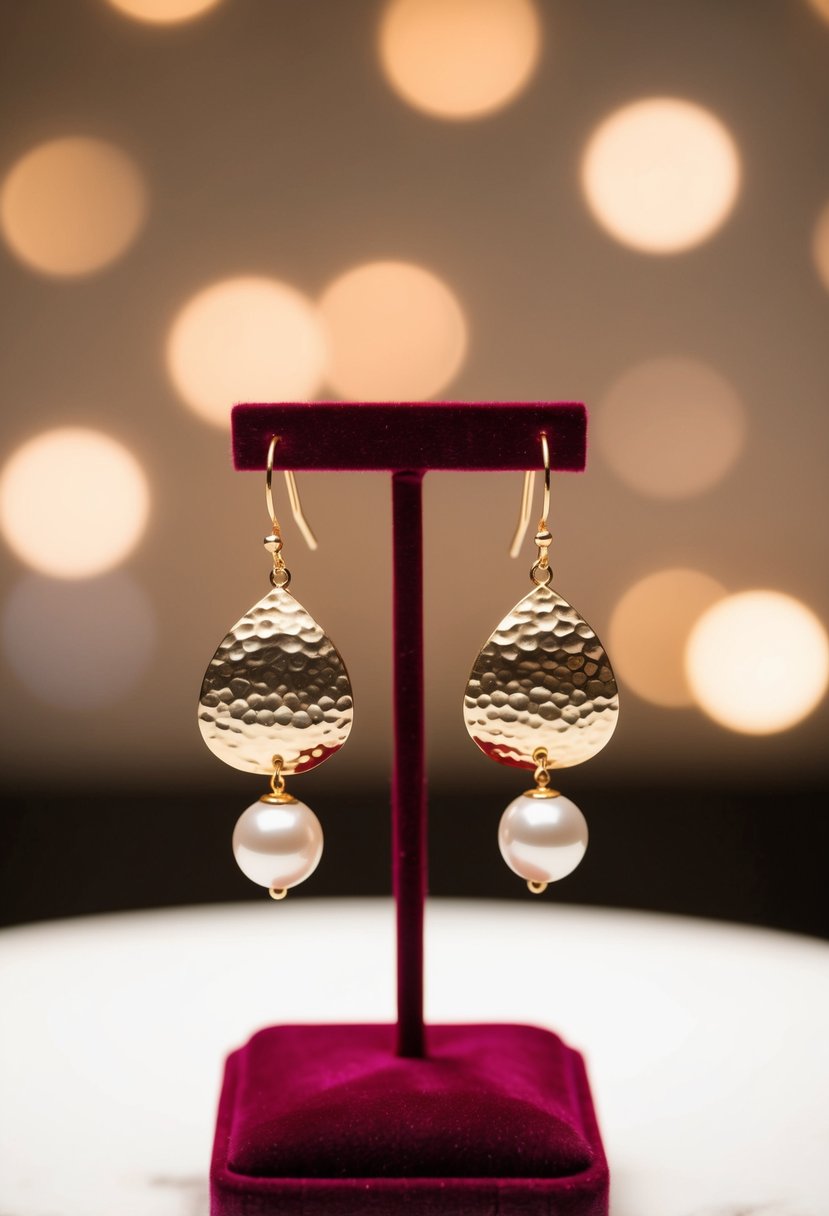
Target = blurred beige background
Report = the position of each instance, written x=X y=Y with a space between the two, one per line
x=678 y=283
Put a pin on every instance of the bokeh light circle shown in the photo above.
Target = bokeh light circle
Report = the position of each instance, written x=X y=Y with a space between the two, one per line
x=80 y=645
x=245 y=339
x=459 y=59
x=397 y=332
x=820 y=246
x=661 y=175
x=72 y=206
x=163 y=12
x=73 y=502
x=671 y=427
x=758 y=662
x=649 y=631
x=821 y=7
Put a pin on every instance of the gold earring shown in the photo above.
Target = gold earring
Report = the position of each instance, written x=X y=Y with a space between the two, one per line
x=541 y=695
x=276 y=699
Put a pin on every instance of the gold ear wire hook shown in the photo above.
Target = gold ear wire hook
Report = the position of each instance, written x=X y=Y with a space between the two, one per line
x=527 y=500
x=293 y=498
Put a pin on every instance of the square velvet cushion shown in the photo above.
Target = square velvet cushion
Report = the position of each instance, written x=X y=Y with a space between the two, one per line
x=326 y=1119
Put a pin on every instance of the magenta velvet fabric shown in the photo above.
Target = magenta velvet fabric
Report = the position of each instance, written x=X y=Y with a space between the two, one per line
x=408 y=787
x=320 y=1120
x=410 y=434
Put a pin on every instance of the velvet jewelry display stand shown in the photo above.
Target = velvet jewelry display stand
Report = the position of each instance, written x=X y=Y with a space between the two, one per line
x=351 y=1120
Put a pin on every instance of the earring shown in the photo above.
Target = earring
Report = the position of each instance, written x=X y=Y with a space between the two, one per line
x=276 y=699
x=541 y=695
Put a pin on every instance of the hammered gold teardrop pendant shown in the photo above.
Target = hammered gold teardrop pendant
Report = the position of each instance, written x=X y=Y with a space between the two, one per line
x=543 y=679
x=277 y=685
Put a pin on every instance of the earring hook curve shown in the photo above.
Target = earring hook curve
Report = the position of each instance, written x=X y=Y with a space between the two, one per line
x=293 y=498
x=527 y=500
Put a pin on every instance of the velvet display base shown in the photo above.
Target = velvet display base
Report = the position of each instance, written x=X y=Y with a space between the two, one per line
x=327 y=1121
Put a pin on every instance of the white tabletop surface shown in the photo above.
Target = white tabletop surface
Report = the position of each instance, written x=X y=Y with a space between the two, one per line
x=707 y=1044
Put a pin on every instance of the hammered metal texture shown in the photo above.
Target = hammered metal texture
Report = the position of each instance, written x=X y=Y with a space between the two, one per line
x=276 y=686
x=543 y=679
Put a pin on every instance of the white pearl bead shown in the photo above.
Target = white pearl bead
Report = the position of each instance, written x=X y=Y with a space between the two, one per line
x=542 y=839
x=277 y=844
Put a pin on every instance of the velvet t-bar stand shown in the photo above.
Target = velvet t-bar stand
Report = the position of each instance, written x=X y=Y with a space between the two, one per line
x=341 y=1120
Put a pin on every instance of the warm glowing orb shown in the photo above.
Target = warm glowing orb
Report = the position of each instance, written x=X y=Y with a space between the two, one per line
x=79 y=645
x=73 y=502
x=661 y=175
x=245 y=339
x=820 y=245
x=396 y=331
x=671 y=427
x=821 y=7
x=459 y=58
x=163 y=12
x=758 y=662
x=71 y=206
x=649 y=630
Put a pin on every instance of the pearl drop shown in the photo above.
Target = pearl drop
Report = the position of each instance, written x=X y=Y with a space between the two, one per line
x=542 y=839
x=277 y=844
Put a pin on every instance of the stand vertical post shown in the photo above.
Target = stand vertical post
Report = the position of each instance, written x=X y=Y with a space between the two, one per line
x=409 y=771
